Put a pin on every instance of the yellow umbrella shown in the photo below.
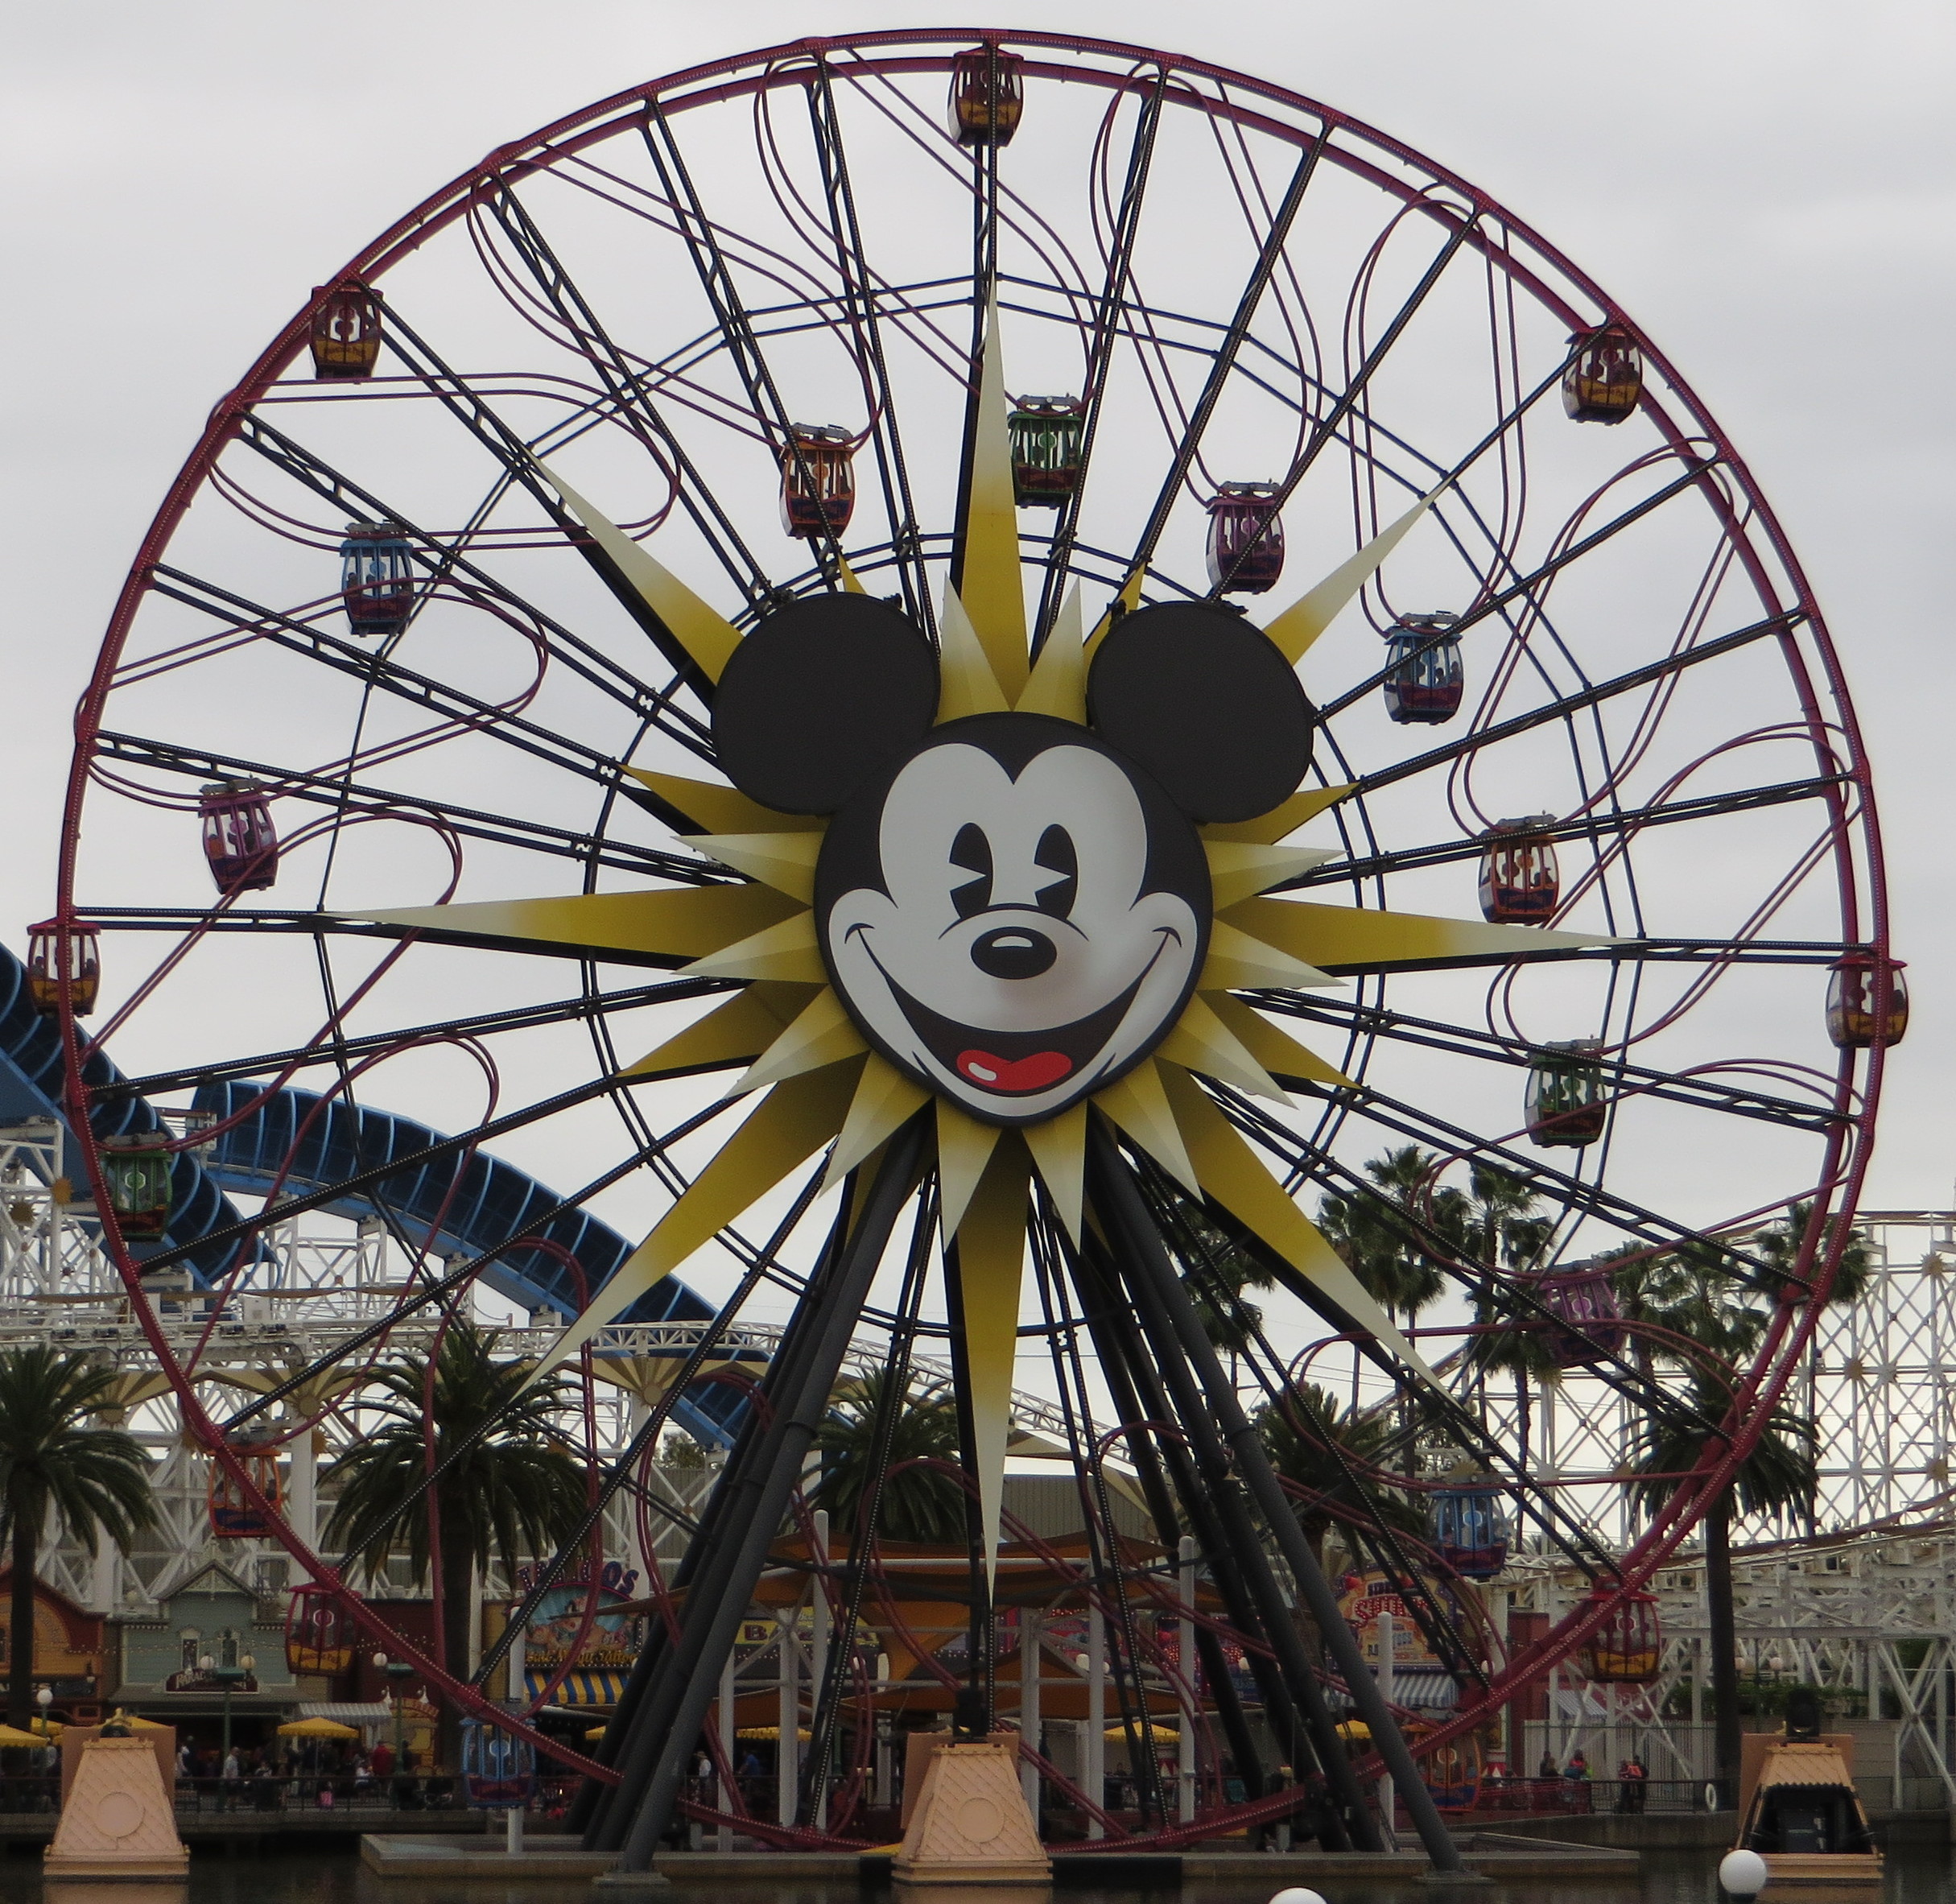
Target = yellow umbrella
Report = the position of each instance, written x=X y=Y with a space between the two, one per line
x=9 y=1735
x=317 y=1728
x=48 y=1728
x=1355 y=1732
x=773 y=1731
x=1171 y=1731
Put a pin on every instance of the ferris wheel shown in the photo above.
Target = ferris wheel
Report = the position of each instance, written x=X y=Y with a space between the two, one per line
x=945 y=669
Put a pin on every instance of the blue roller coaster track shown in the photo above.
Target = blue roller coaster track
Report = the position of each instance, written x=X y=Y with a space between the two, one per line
x=465 y=1205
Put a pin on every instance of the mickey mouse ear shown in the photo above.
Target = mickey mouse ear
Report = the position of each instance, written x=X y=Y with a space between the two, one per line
x=820 y=694
x=1207 y=704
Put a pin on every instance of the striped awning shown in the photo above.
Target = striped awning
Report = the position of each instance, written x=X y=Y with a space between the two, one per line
x=1425 y=1689
x=339 y=1711
x=597 y=1688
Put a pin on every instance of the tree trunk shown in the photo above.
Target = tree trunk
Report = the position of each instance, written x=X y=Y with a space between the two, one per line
x=1724 y=1643
x=457 y=1578
x=20 y=1631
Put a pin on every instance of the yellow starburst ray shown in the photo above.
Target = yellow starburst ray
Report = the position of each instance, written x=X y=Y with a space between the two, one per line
x=1058 y=1148
x=786 y=951
x=710 y=808
x=964 y=1146
x=885 y=1101
x=1238 y=963
x=823 y=1034
x=1280 y=821
x=796 y=1119
x=1352 y=939
x=1058 y=683
x=1138 y=1103
x=704 y=633
x=1304 y=620
x=991 y=1251
x=1277 y=1051
x=967 y=682
x=735 y=1033
x=1240 y=870
x=786 y=861
x=1233 y=1175
x=1200 y=1040
x=1125 y=603
x=991 y=585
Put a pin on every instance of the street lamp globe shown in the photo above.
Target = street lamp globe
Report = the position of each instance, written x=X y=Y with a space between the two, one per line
x=205 y=1663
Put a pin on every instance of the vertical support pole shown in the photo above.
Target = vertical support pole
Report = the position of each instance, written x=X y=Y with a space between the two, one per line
x=1388 y=1799
x=818 y=1652
x=106 y=1577
x=886 y=1777
x=1032 y=1626
x=788 y=1706
x=1093 y=1760
x=1184 y=1654
x=725 y=1836
x=302 y=1509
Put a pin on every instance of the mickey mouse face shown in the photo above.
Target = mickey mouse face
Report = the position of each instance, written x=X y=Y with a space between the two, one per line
x=1014 y=909
x=1015 y=915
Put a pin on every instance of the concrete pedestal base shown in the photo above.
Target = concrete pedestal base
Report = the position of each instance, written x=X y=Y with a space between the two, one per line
x=118 y=1820
x=970 y=1824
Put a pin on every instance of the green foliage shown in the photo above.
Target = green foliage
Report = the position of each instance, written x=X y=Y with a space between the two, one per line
x=1305 y=1433
x=53 y=1454
x=57 y=1459
x=1219 y=1269
x=515 y=1492
x=1779 y=1247
x=918 y=1503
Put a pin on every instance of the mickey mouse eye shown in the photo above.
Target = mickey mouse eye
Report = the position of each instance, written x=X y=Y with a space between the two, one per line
x=1059 y=856
x=972 y=852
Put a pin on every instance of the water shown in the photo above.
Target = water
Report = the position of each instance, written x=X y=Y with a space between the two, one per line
x=331 y=1873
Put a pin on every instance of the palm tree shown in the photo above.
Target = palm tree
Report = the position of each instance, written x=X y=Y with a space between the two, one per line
x=1502 y=1228
x=1779 y=1247
x=1777 y=1479
x=921 y=1503
x=55 y=1455
x=512 y=1491
x=1220 y=1269
x=1383 y=1252
x=1325 y=1450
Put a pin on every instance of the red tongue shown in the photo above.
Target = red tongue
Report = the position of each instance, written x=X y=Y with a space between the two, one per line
x=1021 y=1074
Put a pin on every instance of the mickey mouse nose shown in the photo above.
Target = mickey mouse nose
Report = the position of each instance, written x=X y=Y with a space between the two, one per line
x=1013 y=952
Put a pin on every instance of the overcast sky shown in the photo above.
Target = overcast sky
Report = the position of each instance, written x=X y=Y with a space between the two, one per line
x=1766 y=188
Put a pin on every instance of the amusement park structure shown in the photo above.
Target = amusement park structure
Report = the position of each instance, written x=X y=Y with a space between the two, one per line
x=973 y=887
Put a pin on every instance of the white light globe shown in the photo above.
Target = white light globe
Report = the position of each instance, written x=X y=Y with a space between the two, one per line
x=1744 y=1874
x=1296 y=1894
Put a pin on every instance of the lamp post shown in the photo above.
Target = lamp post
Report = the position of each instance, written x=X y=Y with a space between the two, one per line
x=396 y=1670
x=44 y=1698
x=229 y=1678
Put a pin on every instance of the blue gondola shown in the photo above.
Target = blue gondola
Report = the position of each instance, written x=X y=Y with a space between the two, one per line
x=1424 y=680
x=1470 y=1531
x=499 y=1770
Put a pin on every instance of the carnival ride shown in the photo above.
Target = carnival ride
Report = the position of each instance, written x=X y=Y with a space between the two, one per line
x=374 y=608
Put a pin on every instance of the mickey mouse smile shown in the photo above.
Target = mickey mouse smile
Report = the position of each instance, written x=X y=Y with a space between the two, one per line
x=1016 y=1062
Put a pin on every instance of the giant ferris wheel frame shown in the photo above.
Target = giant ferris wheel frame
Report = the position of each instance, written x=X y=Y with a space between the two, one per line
x=1469 y=224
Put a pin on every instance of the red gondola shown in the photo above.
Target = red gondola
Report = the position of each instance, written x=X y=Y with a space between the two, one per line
x=1424 y=680
x=1605 y=376
x=1565 y=1104
x=376 y=578
x=346 y=332
x=234 y=1517
x=1628 y=1647
x=320 y=1635
x=1521 y=883
x=85 y=968
x=988 y=95
x=1589 y=1319
x=1856 y=1017
x=1246 y=539
x=817 y=481
x=240 y=841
